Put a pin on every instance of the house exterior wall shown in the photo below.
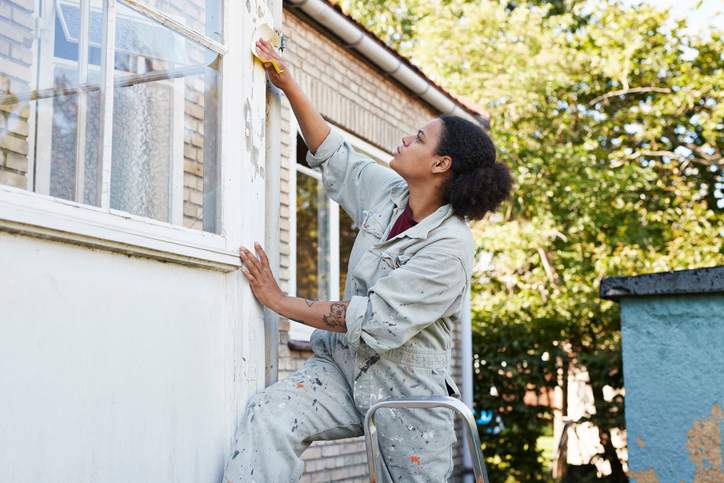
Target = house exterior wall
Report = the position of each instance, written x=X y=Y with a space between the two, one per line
x=354 y=95
x=117 y=368
x=128 y=346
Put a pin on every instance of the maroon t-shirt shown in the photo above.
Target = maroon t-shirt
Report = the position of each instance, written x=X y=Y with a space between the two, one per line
x=404 y=221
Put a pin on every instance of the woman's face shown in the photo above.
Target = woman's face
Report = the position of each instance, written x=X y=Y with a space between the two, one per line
x=415 y=159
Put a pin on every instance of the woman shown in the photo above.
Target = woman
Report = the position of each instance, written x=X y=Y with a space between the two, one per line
x=409 y=271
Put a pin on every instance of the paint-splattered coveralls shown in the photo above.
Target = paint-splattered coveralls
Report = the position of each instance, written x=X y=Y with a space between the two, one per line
x=405 y=296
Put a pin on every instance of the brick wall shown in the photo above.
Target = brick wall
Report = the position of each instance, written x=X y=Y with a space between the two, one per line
x=16 y=42
x=351 y=93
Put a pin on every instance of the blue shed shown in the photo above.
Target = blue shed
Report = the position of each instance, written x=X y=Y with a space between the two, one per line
x=672 y=329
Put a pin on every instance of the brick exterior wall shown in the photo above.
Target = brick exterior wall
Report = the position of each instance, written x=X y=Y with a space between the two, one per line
x=16 y=41
x=351 y=93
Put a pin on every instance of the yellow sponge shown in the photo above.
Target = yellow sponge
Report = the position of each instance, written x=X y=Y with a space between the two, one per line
x=266 y=32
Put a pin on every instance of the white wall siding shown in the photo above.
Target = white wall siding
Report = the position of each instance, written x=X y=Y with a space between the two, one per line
x=118 y=369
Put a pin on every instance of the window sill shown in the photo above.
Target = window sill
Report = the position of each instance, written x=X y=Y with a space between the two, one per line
x=51 y=218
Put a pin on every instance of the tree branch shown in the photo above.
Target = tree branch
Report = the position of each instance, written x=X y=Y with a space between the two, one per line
x=709 y=161
x=633 y=90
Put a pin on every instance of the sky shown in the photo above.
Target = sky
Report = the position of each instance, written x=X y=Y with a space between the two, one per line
x=700 y=14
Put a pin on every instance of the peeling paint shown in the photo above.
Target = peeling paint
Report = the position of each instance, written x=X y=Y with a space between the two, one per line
x=705 y=449
x=645 y=476
x=254 y=127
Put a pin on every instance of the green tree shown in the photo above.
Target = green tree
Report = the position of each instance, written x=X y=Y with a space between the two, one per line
x=611 y=119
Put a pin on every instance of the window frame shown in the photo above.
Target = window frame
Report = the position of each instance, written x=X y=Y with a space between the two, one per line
x=299 y=332
x=40 y=215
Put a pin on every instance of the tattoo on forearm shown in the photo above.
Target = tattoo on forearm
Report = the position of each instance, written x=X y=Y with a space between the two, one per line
x=309 y=302
x=335 y=317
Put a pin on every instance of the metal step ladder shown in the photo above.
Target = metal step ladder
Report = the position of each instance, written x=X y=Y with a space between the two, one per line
x=425 y=402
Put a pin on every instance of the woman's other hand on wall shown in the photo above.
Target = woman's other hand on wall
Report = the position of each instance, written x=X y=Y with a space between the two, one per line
x=258 y=272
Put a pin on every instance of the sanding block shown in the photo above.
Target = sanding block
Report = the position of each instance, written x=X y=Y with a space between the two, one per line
x=265 y=31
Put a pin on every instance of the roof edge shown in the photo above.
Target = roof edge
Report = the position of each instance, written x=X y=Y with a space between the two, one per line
x=354 y=35
x=708 y=280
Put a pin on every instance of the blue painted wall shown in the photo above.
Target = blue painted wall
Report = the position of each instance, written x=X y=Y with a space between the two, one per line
x=673 y=360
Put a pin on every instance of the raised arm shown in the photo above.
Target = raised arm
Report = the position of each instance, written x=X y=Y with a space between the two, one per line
x=314 y=127
x=354 y=181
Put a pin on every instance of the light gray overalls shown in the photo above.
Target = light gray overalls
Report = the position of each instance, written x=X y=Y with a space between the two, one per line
x=405 y=295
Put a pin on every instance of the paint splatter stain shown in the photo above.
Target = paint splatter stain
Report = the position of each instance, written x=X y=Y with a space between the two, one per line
x=295 y=426
x=415 y=459
x=300 y=385
x=372 y=360
x=236 y=453
x=317 y=381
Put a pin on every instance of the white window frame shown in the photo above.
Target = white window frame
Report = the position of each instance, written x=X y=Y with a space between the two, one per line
x=298 y=331
x=42 y=168
x=37 y=214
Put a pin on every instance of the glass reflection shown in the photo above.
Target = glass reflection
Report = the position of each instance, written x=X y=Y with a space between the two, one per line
x=164 y=125
x=312 y=239
x=347 y=235
x=42 y=99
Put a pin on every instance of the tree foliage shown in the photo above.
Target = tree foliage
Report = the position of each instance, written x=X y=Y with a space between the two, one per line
x=611 y=118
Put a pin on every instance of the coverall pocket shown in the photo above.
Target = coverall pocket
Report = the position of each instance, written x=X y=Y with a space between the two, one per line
x=372 y=223
x=401 y=260
x=395 y=379
x=395 y=261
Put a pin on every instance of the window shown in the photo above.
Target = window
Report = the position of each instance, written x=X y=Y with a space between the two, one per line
x=114 y=105
x=323 y=235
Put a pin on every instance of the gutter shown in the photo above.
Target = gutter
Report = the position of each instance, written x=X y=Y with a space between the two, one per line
x=356 y=37
x=272 y=189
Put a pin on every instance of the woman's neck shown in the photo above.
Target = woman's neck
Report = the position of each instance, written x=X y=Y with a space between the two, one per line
x=424 y=201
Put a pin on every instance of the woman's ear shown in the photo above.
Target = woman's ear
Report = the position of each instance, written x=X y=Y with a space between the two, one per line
x=442 y=164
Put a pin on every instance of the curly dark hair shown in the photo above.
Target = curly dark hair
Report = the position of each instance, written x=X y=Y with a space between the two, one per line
x=478 y=184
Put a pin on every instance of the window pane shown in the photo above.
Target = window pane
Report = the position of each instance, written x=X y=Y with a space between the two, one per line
x=164 y=125
x=347 y=235
x=312 y=239
x=42 y=100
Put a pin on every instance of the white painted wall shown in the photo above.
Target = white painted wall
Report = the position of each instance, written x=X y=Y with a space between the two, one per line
x=119 y=369
x=126 y=358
